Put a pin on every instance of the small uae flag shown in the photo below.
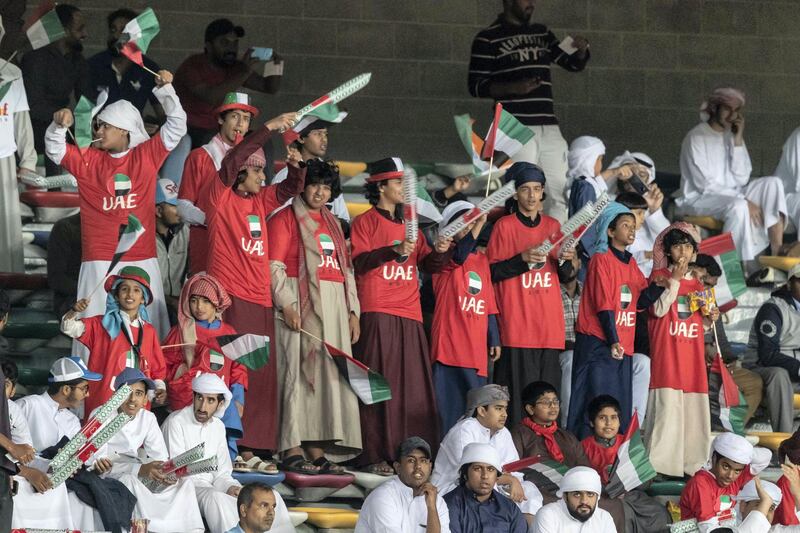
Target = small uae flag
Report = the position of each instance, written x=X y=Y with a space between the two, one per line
x=122 y=185
x=326 y=244
x=473 y=144
x=632 y=466
x=369 y=386
x=44 y=27
x=624 y=297
x=506 y=136
x=684 y=311
x=129 y=234
x=426 y=209
x=255 y=226
x=246 y=349
x=328 y=113
x=137 y=34
x=544 y=473
x=475 y=283
x=732 y=405
x=731 y=283
x=84 y=113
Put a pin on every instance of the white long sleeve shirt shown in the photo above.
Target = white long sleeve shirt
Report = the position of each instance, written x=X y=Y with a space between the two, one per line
x=182 y=431
x=711 y=164
x=555 y=518
x=20 y=430
x=392 y=508
x=788 y=169
x=48 y=422
x=141 y=432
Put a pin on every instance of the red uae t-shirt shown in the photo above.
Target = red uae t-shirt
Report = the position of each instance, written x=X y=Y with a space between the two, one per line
x=531 y=309
x=464 y=300
x=611 y=285
x=393 y=287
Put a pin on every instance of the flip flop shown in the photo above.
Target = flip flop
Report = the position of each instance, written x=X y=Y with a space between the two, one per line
x=328 y=467
x=240 y=465
x=299 y=465
x=379 y=469
x=256 y=464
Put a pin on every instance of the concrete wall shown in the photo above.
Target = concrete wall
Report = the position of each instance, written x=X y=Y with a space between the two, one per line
x=652 y=63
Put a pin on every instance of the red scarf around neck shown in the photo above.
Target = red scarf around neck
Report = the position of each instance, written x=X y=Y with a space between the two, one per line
x=548 y=434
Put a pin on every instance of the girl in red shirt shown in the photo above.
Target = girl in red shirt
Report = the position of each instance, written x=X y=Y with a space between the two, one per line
x=121 y=337
x=393 y=340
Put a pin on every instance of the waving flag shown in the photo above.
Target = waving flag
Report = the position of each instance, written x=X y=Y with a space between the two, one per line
x=84 y=113
x=544 y=473
x=473 y=144
x=731 y=283
x=632 y=467
x=732 y=405
x=246 y=349
x=369 y=386
x=137 y=34
x=129 y=234
x=44 y=27
x=506 y=136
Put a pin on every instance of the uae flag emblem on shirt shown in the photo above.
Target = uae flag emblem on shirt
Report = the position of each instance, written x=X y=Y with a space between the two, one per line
x=246 y=349
x=474 y=283
x=632 y=466
x=255 y=226
x=732 y=405
x=215 y=360
x=624 y=297
x=122 y=185
x=326 y=244
x=44 y=27
x=369 y=386
x=684 y=311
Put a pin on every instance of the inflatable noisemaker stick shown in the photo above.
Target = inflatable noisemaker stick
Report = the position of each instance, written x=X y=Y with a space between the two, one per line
x=100 y=416
x=189 y=456
x=410 y=205
x=50 y=182
x=62 y=473
x=197 y=467
x=572 y=240
x=343 y=91
x=497 y=198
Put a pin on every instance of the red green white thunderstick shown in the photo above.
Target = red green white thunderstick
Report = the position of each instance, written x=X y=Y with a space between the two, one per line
x=497 y=198
x=198 y=467
x=410 y=204
x=343 y=91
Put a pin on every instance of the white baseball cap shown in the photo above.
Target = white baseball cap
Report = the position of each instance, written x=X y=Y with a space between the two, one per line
x=71 y=368
x=166 y=192
x=794 y=272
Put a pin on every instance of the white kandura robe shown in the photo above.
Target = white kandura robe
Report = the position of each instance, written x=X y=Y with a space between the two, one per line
x=467 y=431
x=555 y=518
x=788 y=170
x=758 y=523
x=654 y=223
x=181 y=432
x=715 y=181
x=173 y=511
x=392 y=507
x=28 y=503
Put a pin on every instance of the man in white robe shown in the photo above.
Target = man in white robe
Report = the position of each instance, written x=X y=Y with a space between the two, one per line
x=788 y=171
x=216 y=492
x=408 y=502
x=484 y=422
x=34 y=492
x=174 y=510
x=715 y=179
x=757 y=502
x=577 y=510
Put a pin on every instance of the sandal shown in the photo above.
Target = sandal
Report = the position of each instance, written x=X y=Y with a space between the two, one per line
x=299 y=465
x=256 y=464
x=328 y=467
x=379 y=469
x=240 y=465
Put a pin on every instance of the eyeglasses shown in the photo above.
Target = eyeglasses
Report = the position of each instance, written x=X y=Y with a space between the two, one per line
x=83 y=388
x=549 y=403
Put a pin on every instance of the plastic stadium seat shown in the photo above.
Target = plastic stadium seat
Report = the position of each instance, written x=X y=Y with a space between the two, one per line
x=26 y=282
x=356 y=208
x=328 y=517
x=666 y=488
x=49 y=199
x=770 y=440
x=258 y=477
x=797 y=401
x=709 y=223
x=314 y=488
x=778 y=262
x=27 y=323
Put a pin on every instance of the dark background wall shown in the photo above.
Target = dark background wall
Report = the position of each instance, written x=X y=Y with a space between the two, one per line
x=652 y=63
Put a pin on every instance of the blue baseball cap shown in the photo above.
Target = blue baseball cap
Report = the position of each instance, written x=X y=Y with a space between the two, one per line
x=71 y=368
x=133 y=375
x=166 y=192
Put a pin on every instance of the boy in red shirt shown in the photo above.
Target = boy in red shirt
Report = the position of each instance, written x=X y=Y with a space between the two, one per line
x=393 y=340
x=464 y=320
x=708 y=495
x=614 y=289
x=202 y=167
x=238 y=207
x=117 y=177
x=528 y=290
x=121 y=337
